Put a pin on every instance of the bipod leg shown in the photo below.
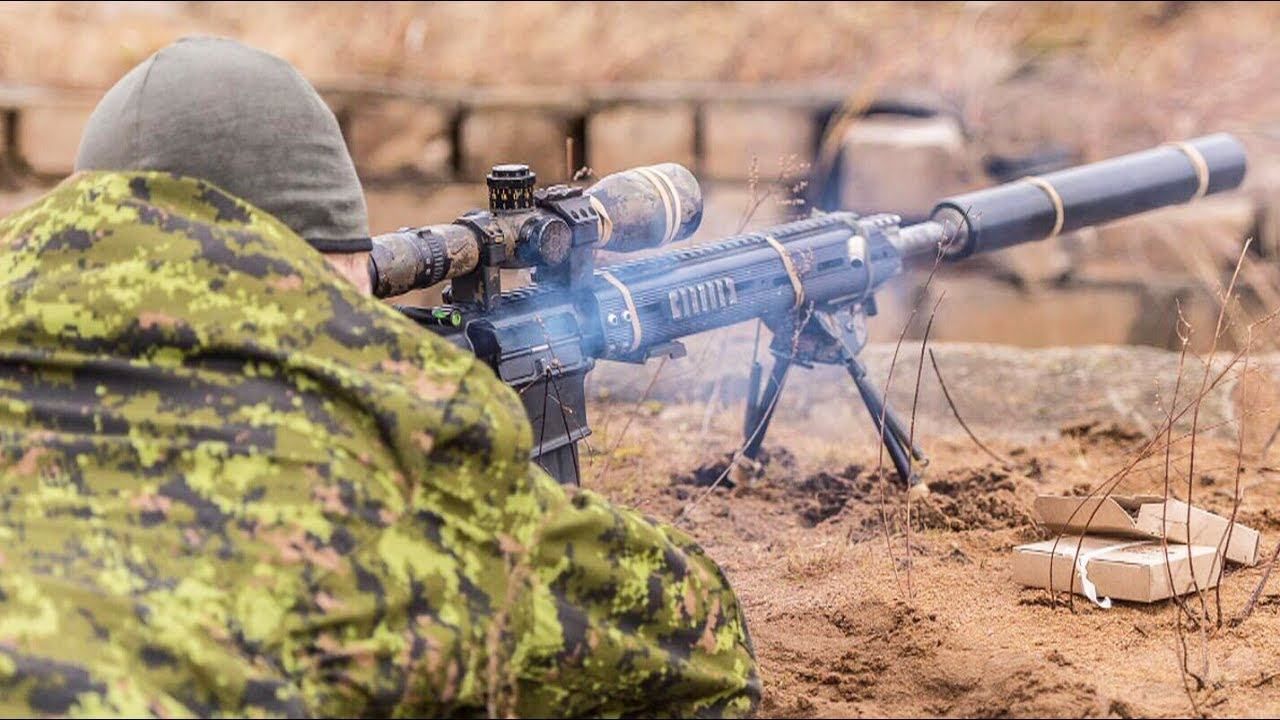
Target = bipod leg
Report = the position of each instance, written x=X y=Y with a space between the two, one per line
x=888 y=425
x=760 y=409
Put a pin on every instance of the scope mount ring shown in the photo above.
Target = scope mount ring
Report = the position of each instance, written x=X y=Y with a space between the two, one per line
x=484 y=285
x=574 y=207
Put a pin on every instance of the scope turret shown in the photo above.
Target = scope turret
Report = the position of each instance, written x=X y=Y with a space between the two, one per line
x=1041 y=207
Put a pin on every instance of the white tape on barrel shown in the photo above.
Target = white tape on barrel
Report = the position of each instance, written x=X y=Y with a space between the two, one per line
x=796 y=286
x=1086 y=585
x=627 y=300
x=1199 y=163
x=670 y=200
x=1060 y=214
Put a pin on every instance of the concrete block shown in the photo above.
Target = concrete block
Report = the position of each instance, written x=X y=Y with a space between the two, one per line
x=978 y=308
x=778 y=138
x=625 y=136
x=903 y=164
x=400 y=138
x=730 y=208
x=492 y=136
x=428 y=204
x=1176 y=239
x=1034 y=262
x=49 y=135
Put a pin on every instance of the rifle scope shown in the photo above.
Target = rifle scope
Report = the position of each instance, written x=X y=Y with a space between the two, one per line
x=632 y=210
x=1041 y=207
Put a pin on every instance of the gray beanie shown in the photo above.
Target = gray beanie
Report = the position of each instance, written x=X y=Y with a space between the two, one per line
x=242 y=119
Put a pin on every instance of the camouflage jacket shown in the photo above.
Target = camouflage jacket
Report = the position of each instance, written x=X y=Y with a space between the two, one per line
x=230 y=484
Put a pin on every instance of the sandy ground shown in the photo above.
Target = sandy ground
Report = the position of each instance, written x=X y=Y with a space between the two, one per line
x=851 y=620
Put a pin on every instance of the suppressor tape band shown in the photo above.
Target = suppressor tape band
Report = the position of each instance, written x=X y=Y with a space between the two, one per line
x=1055 y=198
x=1198 y=162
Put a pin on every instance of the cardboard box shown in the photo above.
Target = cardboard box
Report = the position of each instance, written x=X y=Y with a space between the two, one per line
x=1206 y=528
x=1142 y=516
x=1116 y=568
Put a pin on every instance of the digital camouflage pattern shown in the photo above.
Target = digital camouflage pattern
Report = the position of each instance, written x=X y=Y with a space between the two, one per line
x=230 y=484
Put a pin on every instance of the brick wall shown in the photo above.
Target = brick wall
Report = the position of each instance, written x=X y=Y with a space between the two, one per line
x=454 y=135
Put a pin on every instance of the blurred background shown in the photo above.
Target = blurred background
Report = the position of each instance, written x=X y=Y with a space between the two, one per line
x=779 y=108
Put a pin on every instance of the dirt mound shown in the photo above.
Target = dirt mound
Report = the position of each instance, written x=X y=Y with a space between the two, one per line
x=988 y=498
x=1021 y=689
x=985 y=498
x=1093 y=432
x=773 y=478
x=857 y=655
x=875 y=654
x=773 y=467
x=912 y=631
x=1264 y=519
x=823 y=495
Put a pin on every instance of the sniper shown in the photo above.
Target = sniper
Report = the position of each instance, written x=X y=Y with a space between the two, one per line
x=232 y=482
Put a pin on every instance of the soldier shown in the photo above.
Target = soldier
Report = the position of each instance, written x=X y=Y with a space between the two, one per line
x=233 y=483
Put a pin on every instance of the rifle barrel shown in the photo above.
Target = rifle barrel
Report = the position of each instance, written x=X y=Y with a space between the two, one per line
x=1040 y=207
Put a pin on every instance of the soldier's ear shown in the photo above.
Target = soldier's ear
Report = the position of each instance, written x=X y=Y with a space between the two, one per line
x=353 y=267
